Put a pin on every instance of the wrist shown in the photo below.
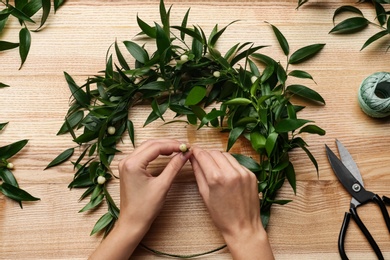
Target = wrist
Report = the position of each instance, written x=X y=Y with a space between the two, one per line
x=249 y=243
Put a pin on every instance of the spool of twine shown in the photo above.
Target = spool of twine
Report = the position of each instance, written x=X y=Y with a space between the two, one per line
x=374 y=95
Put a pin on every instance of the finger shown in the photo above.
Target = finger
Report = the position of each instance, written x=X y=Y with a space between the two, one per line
x=173 y=167
x=199 y=176
x=234 y=163
x=206 y=163
x=149 y=143
x=221 y=160
x=151 y=150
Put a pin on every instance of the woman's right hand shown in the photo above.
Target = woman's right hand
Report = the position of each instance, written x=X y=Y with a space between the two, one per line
x=230 y=193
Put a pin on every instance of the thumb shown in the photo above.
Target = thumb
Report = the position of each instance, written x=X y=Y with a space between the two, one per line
x=173 y=167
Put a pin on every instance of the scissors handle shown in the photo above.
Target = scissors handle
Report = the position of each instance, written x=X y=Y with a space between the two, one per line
x=343 y=231
x=382 y=206
x=386 y=200
x=366 y=233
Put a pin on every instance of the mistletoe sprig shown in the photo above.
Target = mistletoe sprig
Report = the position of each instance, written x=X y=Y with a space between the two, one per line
x=358 y=22
x=242 y=92
x=24 y=10
x=9 y=186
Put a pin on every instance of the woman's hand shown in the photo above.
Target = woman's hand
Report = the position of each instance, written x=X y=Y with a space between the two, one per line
x=142 y=196
x=230 y=193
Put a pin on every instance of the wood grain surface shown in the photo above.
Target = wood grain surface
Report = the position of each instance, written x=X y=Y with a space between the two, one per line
x=76 y=39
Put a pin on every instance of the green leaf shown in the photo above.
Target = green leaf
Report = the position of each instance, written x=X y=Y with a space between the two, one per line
x=8 y=45
x=147 y=29
x=25 y=43
x=300 y=74
x=7 y=176
x=257 y=140
x=290 y=175
x=120 y=57
x=20 y=15
x=58 y=4
x=184 y=23
x=65 y=155
x=305 y=92
x=234 y=134
x=238 y=101
x=130 y=130
x=2 y=85
x=164 y=15
x=137 y=52
x=312 y=129
x=270 y=143
x=46 y=6
x=190 y=32
x=102 y=223
x=213 y=40
x=288 y=125
x=346 y=8
x=73 y=120
x=350 y=25
x=32 y=7
x=77 y=92
x=16 y=193
x=93 y=203
x=247 y=162
x=2 y=125
x=375 y=37
x=162 y=41
x=305 y=53
x=282 y=40
x=10 y=150
x=196 y=94
x=380 y=13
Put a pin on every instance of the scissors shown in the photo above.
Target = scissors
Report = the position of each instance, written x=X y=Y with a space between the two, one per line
x=349 y=175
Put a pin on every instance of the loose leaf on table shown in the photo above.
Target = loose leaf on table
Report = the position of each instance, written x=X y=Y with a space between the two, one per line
x=4 y=45
x=375 y=37
x=2 y=125
x=10 y=150
x=350 y=25
x=65 y=155
x=346 y=8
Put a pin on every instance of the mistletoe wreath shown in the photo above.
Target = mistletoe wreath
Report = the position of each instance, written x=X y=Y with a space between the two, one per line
x=189 y=76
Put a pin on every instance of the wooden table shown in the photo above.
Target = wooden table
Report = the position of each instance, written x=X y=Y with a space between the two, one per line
x=76 y=39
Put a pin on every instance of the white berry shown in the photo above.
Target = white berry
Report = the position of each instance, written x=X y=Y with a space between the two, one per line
x=160 y=79
x=183 y=148
x=253 y=79
x=111 y=130
x=184 y=57
x=101 y=180
x=10 y=166
x=217 y=74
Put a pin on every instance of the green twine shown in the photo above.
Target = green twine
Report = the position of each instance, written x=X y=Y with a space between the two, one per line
x=374 y=95
x=154 y=251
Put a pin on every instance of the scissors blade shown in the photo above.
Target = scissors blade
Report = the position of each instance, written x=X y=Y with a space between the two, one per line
x=350 y=183
x=348 y=161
